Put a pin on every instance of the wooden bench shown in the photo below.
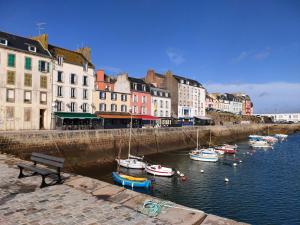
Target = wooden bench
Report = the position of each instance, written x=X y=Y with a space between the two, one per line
x=54 y=166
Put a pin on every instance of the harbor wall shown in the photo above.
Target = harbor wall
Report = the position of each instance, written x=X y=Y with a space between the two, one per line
x=88 y=147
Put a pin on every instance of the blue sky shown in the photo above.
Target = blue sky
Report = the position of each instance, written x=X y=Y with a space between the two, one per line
x=244 y=45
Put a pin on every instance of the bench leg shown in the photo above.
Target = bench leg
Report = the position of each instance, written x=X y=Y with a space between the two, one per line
x=21 y=173
x=43 y=184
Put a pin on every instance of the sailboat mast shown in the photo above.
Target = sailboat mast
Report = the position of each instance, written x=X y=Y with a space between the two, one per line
x=130 y=135
x=197 y=138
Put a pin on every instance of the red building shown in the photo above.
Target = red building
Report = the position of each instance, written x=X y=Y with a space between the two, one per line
x=104 y=82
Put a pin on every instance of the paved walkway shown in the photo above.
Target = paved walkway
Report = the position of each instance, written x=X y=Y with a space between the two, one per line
x=81 y=200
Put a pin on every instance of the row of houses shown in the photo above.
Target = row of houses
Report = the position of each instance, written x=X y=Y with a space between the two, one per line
x=43 y=86
x=236 y=103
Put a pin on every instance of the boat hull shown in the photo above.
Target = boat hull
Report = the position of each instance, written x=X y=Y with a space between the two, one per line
x=157 y=172
x=130 y=183
x=203 y=159
x=131 y=163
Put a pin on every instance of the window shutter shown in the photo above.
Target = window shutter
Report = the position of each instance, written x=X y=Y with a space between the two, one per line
x=48 y=67
x=40 y=65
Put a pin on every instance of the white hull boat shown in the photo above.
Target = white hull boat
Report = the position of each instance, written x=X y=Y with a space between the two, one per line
x=260 y=144
x=204 y=155
x=131 y=163
x=158 y=170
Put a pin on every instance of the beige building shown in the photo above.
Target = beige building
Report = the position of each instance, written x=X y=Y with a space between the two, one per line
x=109 y=101
x=25 y=84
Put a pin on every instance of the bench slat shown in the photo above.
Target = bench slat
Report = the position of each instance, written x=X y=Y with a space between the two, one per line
x=36 y=169
x=49 y=157
x=47 y=162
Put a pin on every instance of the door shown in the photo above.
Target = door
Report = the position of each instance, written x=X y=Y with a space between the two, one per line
x=42 y=118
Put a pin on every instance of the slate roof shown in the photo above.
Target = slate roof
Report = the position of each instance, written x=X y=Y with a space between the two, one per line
x=21 y=44
x=140 y=83
x=69 y=56
x=191 y=82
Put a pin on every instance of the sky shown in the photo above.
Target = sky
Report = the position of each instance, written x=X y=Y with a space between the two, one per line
x=251 y=46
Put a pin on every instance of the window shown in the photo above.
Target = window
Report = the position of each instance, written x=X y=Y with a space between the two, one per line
x=182 y=81
x=73 y=93
x=85 y=66
x=44 y=66
x=10 y=112
x=134 y=109
x=11 y=62
x=113 y=96
x=102 y=95
x=161 y=113
x=73 y=78
x=154 y=92
x=85 y=81
x=73 y=107
x=161 y=104
x=167 y=113
x=144 y=87
x=167 y=104
x=3 y=41
x=60 y=60
x=43 y=98
x=27 y=114
x=143 y=110
x=59 y=76
x=27 y=63
x=59 y=91
x=167 y=94
x=144 y=99
x=85 y=94
x=31 y=48
x=102 y=107
x=135 y=86
x=123 y=108
x=58 y=106
x=28 y=80
x=44 y=83
x=124 y=97
x=113 y=107
x=10 y=95
x=160 y=93
x=27 y=96
x=84 y=107
x=11 y=77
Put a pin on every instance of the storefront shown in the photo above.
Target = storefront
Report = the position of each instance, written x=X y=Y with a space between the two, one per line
x=77 y=121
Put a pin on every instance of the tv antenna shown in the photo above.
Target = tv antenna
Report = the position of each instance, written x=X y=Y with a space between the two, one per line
x=40 y=27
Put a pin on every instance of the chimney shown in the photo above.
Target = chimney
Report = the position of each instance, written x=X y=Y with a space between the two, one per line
x=86 y=52
x=43 y=39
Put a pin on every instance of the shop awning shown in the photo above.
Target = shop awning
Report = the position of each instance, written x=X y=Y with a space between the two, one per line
x=146 y=117
x=70 y=115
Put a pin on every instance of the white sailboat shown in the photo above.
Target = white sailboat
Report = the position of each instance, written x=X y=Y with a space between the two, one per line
x=205 y=155
x=132 y=162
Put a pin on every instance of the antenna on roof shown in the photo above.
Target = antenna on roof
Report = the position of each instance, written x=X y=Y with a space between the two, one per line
x=40 y=26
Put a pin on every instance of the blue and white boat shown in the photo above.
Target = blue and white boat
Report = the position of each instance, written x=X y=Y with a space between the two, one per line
x=129 y=181
x=205 y=155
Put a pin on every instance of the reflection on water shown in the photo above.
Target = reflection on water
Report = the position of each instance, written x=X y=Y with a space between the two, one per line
x=263 y=189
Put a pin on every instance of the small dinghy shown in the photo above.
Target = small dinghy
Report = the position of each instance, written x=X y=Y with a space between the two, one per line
x=158 y=170
x=205 y=155
x=130 y=181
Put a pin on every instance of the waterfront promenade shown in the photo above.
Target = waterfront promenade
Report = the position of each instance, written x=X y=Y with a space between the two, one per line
x=82 y=200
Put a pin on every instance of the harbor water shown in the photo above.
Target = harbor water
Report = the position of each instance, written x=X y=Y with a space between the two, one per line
x=264 y=187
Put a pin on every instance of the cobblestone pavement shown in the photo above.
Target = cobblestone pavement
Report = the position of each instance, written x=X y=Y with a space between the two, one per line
x=85 y=201
x=23 y=202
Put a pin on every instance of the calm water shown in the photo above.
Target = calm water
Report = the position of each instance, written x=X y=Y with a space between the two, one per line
x=263 y=189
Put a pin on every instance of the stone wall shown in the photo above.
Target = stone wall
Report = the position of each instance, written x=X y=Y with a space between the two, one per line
x=101 y=146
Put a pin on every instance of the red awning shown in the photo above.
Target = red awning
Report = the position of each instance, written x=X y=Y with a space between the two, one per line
x=146 y=117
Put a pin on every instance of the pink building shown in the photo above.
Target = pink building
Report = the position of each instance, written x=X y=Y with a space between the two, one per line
x=140 y=97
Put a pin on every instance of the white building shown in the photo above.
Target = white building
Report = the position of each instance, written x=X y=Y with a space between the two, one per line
x=191 y=98
x=160 y=102
x=25 y=84
x=277 y=117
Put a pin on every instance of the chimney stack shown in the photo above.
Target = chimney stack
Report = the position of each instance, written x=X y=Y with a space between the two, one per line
x=86 y=52
x=43 y=39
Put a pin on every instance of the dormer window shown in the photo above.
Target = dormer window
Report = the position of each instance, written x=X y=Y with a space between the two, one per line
x=182 y=81
x=85 y=66
x=3 y=41
x=60 y=60
x=135 y=86
x=144 y=87
x=187 y=82
x=31 y=48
